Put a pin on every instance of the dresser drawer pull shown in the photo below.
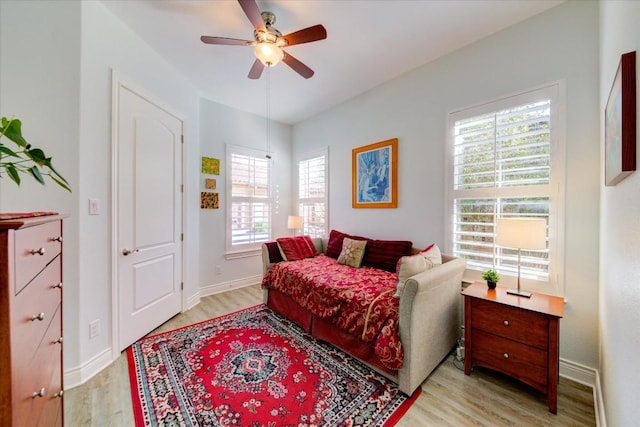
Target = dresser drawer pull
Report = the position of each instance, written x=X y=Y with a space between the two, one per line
x=37 y=251
x=57 y=286
x=58 y=341
x=57 y=239
x=59 y=394
x=506 y=322
x=39 y=316
x=38 y=393
x=506 y=355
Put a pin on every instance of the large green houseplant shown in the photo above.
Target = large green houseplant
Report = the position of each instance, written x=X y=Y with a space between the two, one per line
x=23 y=158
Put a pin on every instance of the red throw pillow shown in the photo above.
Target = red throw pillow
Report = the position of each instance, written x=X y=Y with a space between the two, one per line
x=334 y=244
x=298 y=247
x=384 y=254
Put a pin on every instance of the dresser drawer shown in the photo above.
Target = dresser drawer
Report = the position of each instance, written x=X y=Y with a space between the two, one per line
x=36 y=375
x=513 y=323
x=525 y=363
x=34 y=248
x=40 y=297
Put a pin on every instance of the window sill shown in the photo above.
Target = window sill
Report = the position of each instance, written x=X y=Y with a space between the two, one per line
x=242 y=254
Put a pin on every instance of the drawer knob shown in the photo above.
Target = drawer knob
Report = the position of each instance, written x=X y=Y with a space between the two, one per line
x=57 y=239
x=38 y=393
x=506 y=322
x=37 y=251
x=39 y=316
x=506 y=355
x=58 y=341
x=59 y=394
x=57 y=286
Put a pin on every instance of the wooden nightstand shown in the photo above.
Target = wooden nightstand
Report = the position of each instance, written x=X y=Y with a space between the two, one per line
x=514 y=335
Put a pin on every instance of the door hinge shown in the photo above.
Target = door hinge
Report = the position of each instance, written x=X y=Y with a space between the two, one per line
x=182 y=286
x=182 y=237
x=182 y=188
x=182 y=139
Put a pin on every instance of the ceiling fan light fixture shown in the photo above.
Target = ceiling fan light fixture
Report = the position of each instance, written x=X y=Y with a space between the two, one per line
x=268 y=53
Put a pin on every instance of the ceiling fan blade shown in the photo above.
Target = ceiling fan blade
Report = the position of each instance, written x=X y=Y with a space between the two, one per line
x=311 y=34
x=297 y=66
x=250 y=9
x=225 y=40
x=256 y=70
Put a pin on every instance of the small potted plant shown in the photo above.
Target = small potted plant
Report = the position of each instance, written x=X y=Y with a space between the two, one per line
x=492 y=277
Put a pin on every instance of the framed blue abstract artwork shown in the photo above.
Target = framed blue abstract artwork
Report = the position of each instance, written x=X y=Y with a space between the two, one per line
x=375 y=175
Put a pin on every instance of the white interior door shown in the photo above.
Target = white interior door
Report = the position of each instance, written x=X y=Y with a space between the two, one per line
x=149 y=216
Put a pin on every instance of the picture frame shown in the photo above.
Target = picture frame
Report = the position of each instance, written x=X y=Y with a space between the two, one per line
x=620 y=122
x=374 y=169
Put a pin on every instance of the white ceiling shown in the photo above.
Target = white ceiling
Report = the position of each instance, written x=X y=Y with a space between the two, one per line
x=369 y=42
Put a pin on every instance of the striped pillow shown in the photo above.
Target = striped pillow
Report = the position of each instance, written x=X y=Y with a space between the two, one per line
x=384 y=254
x=298 y=247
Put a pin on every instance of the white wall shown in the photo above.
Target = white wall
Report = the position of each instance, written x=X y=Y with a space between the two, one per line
x=56 y=64
x=620 y=236
x=39 y=75
x=561 y=44
x=222 y=125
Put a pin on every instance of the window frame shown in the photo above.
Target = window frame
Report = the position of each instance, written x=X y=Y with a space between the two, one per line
x=554 y=91
x=323 y=152
x=247 y=249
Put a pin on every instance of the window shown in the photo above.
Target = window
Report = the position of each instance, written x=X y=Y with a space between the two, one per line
x=312 y=194
x=506 y=161
x=248 y=199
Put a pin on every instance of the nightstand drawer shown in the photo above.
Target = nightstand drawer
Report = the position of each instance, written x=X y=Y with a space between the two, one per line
x=527 y=364
x=35 y=247
x=508 y=322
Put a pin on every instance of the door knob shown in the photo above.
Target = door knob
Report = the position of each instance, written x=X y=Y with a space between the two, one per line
x=126 y=252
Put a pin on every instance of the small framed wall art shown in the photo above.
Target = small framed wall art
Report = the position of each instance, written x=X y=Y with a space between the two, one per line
x=620 y=123
x=374 y=171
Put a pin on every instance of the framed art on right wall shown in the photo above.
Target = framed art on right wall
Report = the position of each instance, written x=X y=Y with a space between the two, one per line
x=620 y=123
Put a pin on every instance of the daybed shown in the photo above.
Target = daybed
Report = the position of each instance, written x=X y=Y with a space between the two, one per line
x=363 y=319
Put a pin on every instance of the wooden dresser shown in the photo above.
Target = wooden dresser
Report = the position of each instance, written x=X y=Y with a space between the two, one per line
x=514 y=335
x=31 y=321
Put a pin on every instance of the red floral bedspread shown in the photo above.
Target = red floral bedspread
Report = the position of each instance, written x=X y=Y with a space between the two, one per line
x=345 y=295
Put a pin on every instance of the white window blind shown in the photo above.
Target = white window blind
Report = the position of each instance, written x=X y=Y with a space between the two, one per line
x=312 y=194
x=502 y=168
x=249 y=201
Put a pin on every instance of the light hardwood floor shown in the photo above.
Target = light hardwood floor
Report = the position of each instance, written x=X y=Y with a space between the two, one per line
x=449 y=398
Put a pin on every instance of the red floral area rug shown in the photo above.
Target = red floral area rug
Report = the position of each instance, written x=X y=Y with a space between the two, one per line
x=255 y=368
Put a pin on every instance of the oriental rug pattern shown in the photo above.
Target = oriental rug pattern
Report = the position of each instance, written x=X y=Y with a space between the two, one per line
x=255 y=368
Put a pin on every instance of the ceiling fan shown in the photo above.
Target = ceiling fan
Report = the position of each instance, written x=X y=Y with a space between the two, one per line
x=269 y=42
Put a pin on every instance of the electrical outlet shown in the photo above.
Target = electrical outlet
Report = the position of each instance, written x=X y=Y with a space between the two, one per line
x=94 y=328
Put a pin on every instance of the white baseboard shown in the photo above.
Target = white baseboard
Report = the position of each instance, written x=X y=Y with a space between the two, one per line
x=227 y=286
x=191 y=301
x=77 y=376
x=589 y=377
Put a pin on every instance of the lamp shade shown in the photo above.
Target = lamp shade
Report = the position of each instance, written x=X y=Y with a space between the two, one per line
x=294 y=222
x=268 y=53
x=522 y=233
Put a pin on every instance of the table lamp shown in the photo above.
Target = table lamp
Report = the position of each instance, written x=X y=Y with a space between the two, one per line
x=521 y=233
x=294 y=222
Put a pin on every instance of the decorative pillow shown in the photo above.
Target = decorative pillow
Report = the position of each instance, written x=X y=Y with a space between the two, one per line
x=384 y=254
x=352 y=252
x=334 y=244
x=274 y=252
x=295 y=248
x=432 y=254
x=409 y=266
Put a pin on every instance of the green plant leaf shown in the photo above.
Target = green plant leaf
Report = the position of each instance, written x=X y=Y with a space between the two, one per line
x=8 y=151
x=35 y=172
x=60 y=183
x=13 y=173
x=12 y=129
x=37 y=155
x=60 y=177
